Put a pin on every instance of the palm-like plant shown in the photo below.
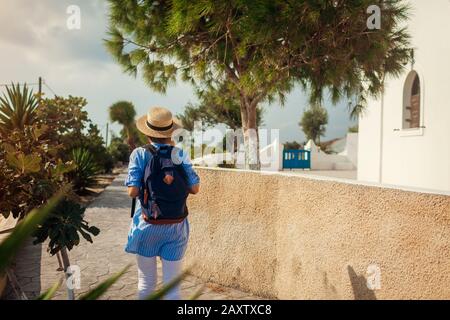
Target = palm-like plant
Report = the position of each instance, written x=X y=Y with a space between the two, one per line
x=17 y=108
x=123 y=112
x=85 y=170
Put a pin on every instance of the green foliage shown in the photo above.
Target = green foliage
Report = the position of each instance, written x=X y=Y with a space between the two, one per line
x=34 y=161
x=261 y=48
x=33 y=224
x=354 y=129
x=197 y=293
x=70 y=126
x=30 y=171
x=216 y=105
x=93 y=142
x=64 y=226
x=10 y=246
x=24 y=163
x=119 y=150
x=48 y=295
x=83 y=175
x=190 y=115
x=123 y=112
x=313 y=123
x=159 y=294
x=17 y=108
x=35 y=145
x=65 y=117
x=294 y=145
x=137 y=137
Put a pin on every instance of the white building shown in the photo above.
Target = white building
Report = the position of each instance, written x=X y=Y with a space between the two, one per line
x=404 y=137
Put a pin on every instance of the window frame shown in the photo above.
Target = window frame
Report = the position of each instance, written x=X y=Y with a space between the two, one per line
x=407 y=132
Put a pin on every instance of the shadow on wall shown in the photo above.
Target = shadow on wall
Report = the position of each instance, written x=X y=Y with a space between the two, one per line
x=359 y=286
x=329 y=288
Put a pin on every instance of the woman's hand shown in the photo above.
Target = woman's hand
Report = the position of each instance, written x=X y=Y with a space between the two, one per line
x=194 y=189
x=133 y=192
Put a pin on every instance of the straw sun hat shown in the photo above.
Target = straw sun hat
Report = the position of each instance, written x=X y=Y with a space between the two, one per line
x=158 y=123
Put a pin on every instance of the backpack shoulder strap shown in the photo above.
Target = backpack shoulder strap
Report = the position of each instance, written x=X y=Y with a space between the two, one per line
x=146 y=189
x=150 y=148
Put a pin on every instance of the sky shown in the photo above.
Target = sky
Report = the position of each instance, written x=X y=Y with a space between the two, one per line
x=36 y=42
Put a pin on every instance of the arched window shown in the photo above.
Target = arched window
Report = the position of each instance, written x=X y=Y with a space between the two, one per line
x=411 y=101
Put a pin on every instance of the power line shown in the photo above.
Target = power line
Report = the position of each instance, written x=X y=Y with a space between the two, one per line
x=30 y=84
x=45 y=83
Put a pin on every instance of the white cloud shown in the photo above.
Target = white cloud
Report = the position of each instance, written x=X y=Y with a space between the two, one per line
x=34 y=41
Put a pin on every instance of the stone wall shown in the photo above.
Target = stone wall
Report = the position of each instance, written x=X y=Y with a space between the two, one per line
x=294 y=237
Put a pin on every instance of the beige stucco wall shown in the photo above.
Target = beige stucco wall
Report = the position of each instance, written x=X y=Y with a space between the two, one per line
x=294 y=237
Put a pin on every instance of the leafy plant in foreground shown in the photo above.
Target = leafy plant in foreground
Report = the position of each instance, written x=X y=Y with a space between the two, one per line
x=10 y=246
x=64 y=226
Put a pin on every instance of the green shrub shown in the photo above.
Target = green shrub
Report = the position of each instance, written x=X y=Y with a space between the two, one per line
x=63 y=226
x=71 y=128
x=294 y=145
x=83 y=175
x=29 y=171
x=93 y=142
x=119 y=150
x=108 y=162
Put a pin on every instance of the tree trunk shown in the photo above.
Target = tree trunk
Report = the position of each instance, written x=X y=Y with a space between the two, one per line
x=66 y=265
x=250 y=129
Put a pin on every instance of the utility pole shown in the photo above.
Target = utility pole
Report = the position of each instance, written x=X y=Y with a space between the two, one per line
x=107 y=131
x=40 y=91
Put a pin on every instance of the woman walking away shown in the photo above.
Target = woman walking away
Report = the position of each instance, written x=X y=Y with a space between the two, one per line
x=161 y=177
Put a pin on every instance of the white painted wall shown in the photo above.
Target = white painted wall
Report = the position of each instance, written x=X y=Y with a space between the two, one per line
x=351 y=148
x=323 y=161
x=420 y=158
x=271 y=158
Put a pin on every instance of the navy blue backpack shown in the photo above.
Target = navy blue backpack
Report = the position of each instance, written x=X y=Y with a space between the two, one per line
x=164 y=187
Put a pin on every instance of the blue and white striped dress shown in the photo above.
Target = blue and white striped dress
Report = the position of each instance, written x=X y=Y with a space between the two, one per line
x=149 y=240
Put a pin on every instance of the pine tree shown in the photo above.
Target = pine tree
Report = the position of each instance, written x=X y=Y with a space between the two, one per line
x=216 y=106
x=262 y=48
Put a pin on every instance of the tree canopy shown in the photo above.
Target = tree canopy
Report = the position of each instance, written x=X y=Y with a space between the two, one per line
x=313 y=123
x=261 y=48
x=215 y=106
x=124 y=113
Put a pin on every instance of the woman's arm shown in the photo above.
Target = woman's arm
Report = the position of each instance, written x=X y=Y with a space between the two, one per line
x=192 y=176
x=135 y=172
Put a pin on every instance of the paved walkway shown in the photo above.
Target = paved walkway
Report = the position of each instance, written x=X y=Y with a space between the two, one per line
x=36 y=270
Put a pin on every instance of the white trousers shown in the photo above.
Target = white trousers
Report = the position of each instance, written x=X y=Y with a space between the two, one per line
x=147 y=276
